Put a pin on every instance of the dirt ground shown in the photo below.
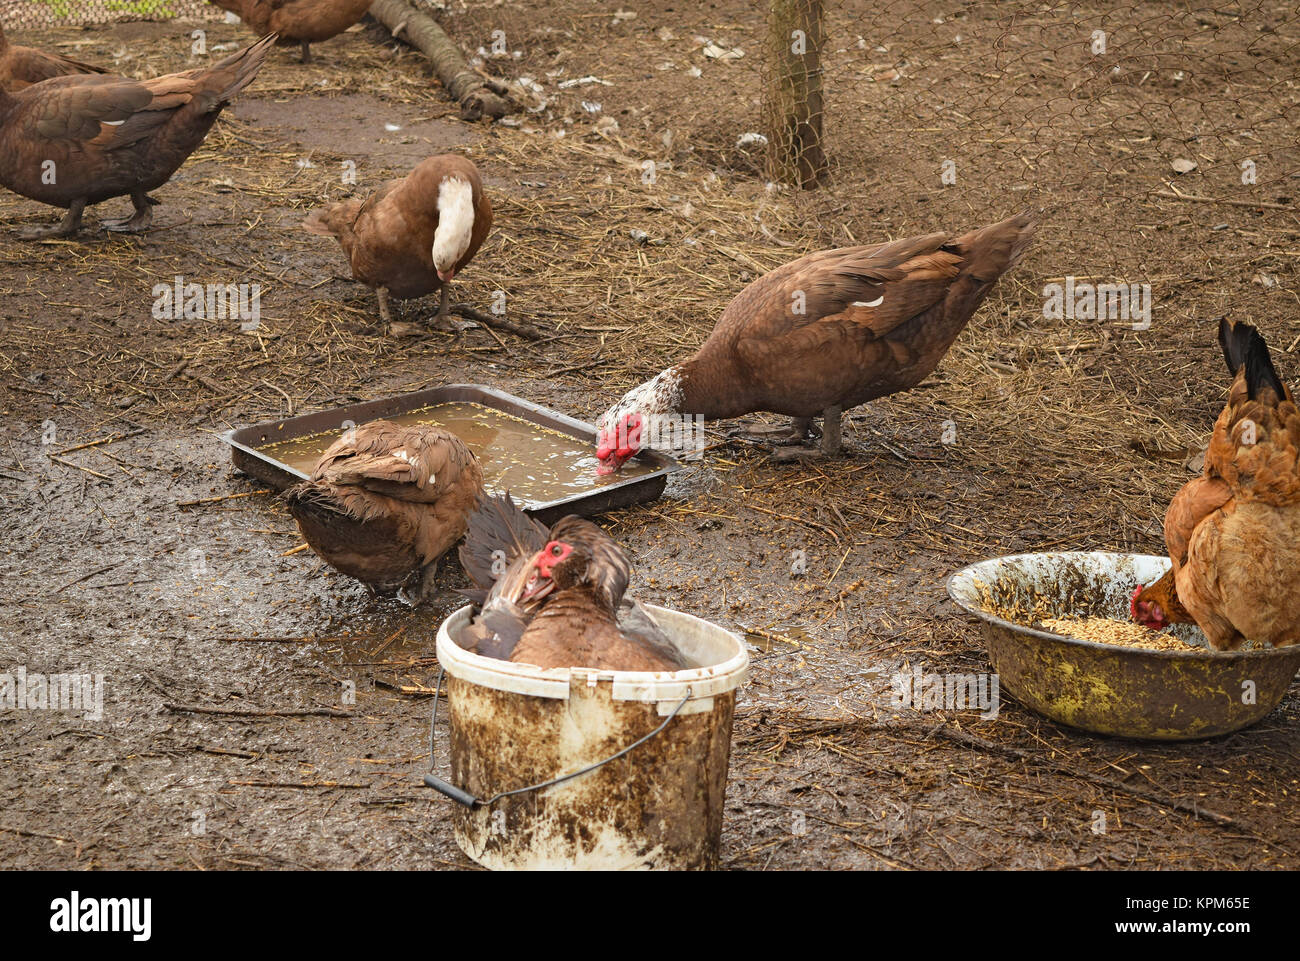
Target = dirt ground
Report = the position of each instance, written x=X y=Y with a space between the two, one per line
x=1070 y=433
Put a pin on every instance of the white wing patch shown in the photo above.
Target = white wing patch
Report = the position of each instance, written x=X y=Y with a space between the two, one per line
x=869 y=303
x=455 y=222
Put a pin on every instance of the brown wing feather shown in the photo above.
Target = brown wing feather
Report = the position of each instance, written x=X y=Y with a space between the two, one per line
x=498 y=524
x=1197 y=500
x=821 y=285
x=416 y=463
x=21 y=67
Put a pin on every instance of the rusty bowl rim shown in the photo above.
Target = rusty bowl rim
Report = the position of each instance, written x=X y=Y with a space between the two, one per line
x=1024 y=629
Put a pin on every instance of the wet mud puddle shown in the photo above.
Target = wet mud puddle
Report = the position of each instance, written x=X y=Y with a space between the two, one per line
x=535 y=464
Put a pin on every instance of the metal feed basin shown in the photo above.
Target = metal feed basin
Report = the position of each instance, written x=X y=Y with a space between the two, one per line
x=1130 y=692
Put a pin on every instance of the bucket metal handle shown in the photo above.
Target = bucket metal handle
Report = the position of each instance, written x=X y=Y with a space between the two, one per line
x=470 y=801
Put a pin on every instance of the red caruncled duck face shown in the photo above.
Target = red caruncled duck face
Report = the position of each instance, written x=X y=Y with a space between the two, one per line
x=618 y=443
x=579 y=554
x=541 y=580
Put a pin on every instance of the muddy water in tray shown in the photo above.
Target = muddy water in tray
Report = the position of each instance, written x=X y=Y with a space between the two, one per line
x=535 y=464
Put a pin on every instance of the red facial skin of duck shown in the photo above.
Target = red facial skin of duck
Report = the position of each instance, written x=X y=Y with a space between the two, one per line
x=615 y=447
x=539 y=582
x=1147 y=613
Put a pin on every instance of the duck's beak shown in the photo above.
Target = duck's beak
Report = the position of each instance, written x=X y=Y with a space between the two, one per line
x=536 y=583
x=512 y=583
x=611 y=463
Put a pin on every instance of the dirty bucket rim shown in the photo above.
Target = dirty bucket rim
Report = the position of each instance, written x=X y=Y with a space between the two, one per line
x=555 y=683
x=967 y=573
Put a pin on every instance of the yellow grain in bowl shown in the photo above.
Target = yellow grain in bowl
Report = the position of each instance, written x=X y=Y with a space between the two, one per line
x=1103 y=630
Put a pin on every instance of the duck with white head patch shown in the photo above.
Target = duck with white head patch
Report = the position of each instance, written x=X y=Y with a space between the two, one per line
x=820 y=335
x=412 y=236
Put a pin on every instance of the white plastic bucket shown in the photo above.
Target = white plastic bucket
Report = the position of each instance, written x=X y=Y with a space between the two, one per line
x=516 y=725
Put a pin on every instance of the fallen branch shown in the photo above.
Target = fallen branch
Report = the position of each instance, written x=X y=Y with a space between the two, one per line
x=222 y=497
x=112 y=439
x=489 y=320
x=297 y=784
x=414 y=689
x=267 y=640
x=1194 y=198
x=86 y=577
x=68 y=463
x=23 y=832
x=466 y=87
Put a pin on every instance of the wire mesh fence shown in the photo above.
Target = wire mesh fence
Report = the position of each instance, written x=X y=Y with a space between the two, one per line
x=35 y=14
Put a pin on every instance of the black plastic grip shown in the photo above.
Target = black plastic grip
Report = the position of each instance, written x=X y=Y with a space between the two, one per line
x=453 y=792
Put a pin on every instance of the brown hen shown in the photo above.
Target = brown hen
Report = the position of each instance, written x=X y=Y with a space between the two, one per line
x=1233 y=534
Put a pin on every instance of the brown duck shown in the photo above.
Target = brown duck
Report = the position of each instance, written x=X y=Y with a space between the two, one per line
x=825 y=333
x=412 y=236
x=20 y=67
x=386 y=501
x=583 y=574
x=83 y=139
x=298 y=21
x=504 y=554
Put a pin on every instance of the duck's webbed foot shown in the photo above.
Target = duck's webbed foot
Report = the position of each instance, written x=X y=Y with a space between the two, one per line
x=798 y=432
x=67 y=227
x=831 y=441
x=137 y=222
x=442 y=319
x=422 y=585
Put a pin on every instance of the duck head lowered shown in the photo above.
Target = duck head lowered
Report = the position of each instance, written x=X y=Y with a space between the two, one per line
x=455 y=227
x=626 y=429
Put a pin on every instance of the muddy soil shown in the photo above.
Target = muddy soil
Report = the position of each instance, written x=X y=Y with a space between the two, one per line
x=149 y=560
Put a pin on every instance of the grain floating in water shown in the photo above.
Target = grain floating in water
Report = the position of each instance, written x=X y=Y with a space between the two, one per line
x=536 y=464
